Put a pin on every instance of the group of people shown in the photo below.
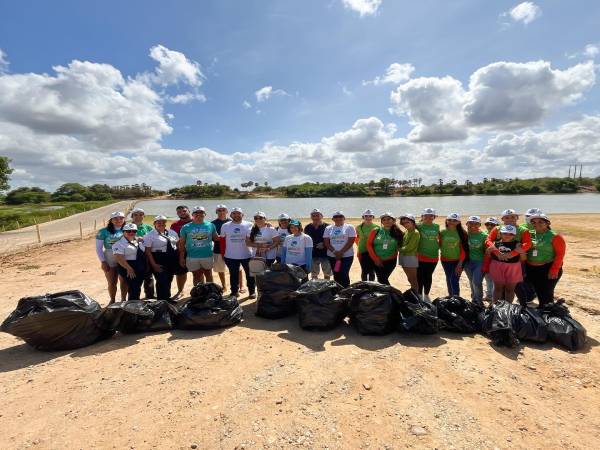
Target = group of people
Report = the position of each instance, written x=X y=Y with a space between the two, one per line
x=504 y=253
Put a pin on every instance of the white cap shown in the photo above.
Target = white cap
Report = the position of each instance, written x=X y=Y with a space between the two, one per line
x=260 y=214
x=316 y=211
x=198 y=209
x=385 y=214
x=221 y=206
x=428 y=211
x=138 y=210
x=130 y=226
x=453 y=216
x=540 y=215
x=117 y=214
x=509 y=212
x=236 y=209
x=475 y=219
x=368 y=212
x=509 y=229
x=408 y=216
x=283 y=216
x=338 y=213
x=160 y=217
x=492 y=220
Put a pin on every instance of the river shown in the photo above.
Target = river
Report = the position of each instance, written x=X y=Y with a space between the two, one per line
x=353 y=207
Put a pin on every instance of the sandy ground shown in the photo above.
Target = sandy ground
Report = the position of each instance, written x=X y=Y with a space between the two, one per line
x=269 y=384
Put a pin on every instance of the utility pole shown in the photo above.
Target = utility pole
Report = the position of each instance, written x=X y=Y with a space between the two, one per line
x=569 y=170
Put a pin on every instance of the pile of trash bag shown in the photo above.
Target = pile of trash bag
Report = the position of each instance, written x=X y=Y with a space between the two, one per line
x=417 y=315
x=508 y=323
x=136 y=316
x=61 y=321
x=319 y=306
x=276 y=289
x=208 y=308
x=457 y=314
x=373 y=307
x=562 y=328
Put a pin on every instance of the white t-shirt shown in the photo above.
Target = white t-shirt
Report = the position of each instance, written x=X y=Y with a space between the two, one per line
x=265 y=235
x=338 y=237
x=235 y=239
x=282 y=233
x=295 y=248
x=158 y=242
x=127 y=249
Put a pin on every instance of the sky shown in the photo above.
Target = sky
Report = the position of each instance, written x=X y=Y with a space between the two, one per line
x=168 y=93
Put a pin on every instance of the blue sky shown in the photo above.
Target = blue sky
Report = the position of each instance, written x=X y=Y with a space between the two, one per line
x=317 y=54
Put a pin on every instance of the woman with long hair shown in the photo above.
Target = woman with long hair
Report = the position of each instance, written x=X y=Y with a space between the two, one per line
x=297 y=247
x=407 y=255
x=428 y=251
x=454 y=250
x=263 y=239
x=105 y=239
x=131 y=257
x=363 y=231
x=383 y=244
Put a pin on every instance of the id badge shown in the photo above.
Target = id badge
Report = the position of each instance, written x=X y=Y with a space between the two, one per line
x=534 y=253
x=385 y=246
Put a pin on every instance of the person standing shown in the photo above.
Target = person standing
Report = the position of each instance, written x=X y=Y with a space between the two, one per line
x=383 y=244
x=262 y=239
x=505 y=265
x=545 y=259
x=490 y=224
x=183 y=212
x=219 y=263
x=196 y=246
x=163 y=259
x=105 y=239
x=297 y=247
x=235 y=251
x=473 y=266
x=454 y=252
x=407 y=255
x=130 y=255
x=363 y=231
x=137 y=217
x=339 y=240
x=315 y=230
x=282 y=231
x=428 y=251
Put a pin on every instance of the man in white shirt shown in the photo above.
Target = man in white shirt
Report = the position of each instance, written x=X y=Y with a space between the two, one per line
x=339 y=240
x=235 y=251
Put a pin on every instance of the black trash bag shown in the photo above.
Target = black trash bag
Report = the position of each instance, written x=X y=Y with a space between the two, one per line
x=562 y=328
x=276 y=290
x=525 y=292
x=457 y=314
x=61 y=321
x=417 y=315
x=319 y=307
x=373 y=307
x=203 y=290
x=212 y=312
x=528 y=324
x=136 y=316
x=497 y=324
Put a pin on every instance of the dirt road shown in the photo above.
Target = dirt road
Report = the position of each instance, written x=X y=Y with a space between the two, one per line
x=269 y=384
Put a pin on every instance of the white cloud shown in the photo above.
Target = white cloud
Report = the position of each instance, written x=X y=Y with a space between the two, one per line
x=591 y=50
x=501 y=96
x=3 y=62
x=174 y=67
x=395 y=74
x=365 y=135
x=187 y=98
x=525 y=12
x=363 y=7
x=246 y=104
x=267 y=92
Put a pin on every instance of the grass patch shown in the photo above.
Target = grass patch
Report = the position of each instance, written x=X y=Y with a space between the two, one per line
x=17 y=216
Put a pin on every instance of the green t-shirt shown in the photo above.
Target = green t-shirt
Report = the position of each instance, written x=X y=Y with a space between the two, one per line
x=428 y=243
x=363 y=231
x=198 y=239
x=109 y=238
x=410 y=243
x=143 y=230
x=477 y=245
x=450 y=248
x=384 y=244
x=542 y=248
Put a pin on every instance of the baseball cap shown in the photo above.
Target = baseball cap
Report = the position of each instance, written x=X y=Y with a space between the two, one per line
x=117 y=214
x=221 y=206
x=492 y=220
x=509 y=212
x=509 y=229
x=130 y=227
x=283 y=216
x=407 y=216
x=160 y=217
x=475 y=219
x=198 y=209
x=368 y=212
x=295 y=223
x=540 y=215
x=453 y=216
x=260 y=214
x=387 y=214
x=138 y=210
x=338 y=213
x=238 y=210
x=316 y=211
x=427 y=211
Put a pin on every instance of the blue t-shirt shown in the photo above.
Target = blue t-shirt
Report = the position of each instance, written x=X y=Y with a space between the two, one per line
x=109 y=238
x=198 y=239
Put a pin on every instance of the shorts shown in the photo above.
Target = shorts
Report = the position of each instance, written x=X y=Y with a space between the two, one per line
x=409 y=261
x=219 y=263
x=321 y=263
x=506 y=273
x=194 y=264
x=109 y=257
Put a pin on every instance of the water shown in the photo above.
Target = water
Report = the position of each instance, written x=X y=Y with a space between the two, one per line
x=353 y=207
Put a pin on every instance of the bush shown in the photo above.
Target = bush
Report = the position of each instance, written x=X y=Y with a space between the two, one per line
x=27 y=195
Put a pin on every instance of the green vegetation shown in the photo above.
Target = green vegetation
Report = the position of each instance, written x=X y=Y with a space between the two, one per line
x=15 y=216
x=5 y=172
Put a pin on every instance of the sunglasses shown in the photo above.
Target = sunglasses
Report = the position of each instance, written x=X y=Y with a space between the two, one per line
x=337 y=217
x=259 y=218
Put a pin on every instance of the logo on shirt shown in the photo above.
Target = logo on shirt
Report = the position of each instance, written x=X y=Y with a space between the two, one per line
x=337 y=232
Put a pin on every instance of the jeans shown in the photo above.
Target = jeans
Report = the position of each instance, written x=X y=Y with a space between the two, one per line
x=383 y=273
x=489 y=286
x=473 y=271
x=367 y=267
x=233 y=265
x=425 y=276
x=343 y=275
x=452 y=278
